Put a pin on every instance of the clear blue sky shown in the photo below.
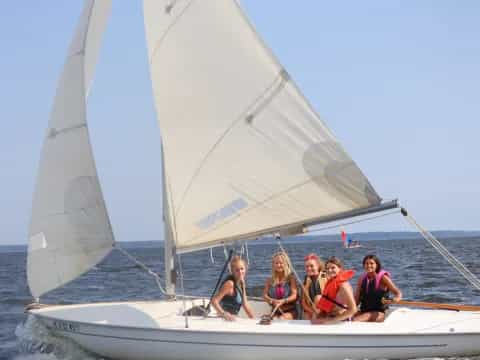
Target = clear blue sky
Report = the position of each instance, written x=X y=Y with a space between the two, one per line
x=397 y=81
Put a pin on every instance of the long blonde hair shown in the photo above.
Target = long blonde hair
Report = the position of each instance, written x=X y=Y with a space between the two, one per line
x=236 y=259
x=287 y=266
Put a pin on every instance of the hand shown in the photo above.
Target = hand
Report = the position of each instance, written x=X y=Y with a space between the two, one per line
x=322 y=321
x=276 y=302
x=318 y=321
x=227 y=316
x=396 y=299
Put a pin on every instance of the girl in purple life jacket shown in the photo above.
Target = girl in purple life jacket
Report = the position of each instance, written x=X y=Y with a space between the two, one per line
x=371 y=288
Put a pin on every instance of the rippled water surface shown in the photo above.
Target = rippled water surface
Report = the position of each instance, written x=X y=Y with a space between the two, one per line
x=415 y=266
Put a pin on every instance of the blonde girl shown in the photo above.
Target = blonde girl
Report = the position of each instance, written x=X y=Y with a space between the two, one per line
x=232 y=295
x=280 y=290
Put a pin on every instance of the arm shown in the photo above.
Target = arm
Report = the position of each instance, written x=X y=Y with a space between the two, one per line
x=346 y=294
x=246 y=306
x=388 y=283
x=267 y=298
x=357 y=291
x=307 y=303
x=226 y=289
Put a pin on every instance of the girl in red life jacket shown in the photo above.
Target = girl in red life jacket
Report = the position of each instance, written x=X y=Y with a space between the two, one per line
x=371 y=288
x=337 y=302
x=280 y=289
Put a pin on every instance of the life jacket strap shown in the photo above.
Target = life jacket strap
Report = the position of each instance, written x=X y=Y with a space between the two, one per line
x=335 y=302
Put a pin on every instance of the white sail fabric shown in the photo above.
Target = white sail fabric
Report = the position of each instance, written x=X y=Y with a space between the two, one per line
x=70 y=230
x=244 y=152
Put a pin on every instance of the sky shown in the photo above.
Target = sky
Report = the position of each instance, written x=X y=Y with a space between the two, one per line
x=398 y=82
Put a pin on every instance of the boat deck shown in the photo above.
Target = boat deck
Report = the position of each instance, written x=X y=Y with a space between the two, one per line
x=168 y=315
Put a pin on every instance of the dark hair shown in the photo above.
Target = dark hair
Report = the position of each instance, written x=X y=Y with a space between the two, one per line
x=374 y=258
x=334 y=260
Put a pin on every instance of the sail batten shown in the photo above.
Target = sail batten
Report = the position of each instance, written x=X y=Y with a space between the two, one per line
x=70 y=230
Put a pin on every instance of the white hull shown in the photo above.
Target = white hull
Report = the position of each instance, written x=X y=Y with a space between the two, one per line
x=155 y=330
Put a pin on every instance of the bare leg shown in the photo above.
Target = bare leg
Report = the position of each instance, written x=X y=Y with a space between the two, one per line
x=307 y=315
x=288 y=316
x=371 y=316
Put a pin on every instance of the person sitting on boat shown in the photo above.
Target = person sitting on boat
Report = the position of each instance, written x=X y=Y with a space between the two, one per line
x=232 y=295
x=337 y=302
x=280 y=289
x=371 y=288
x=313 y=284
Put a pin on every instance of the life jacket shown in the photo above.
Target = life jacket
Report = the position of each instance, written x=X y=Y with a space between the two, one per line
x=282 y=291
x=313 y=288
x=232 y=303
x=371 y=293
x=327 y=302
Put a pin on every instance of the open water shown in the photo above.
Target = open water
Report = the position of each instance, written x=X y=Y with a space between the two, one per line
x=421 y=273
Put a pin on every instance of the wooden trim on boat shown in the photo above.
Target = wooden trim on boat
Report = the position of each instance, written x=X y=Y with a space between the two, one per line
x=433 y=305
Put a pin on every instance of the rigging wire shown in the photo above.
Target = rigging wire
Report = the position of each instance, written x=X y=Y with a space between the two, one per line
x=225 y=251
x=339 y=225
x=442 y=250
x=211 y=256
x=143 y=266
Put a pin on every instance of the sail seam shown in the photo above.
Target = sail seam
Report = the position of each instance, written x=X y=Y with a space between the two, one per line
x=167 y=30
x=254 y=207
x=262 y=104
x=238 y=190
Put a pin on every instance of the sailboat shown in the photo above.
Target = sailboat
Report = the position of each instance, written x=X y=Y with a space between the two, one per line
x=244 y=155
x=348 y=242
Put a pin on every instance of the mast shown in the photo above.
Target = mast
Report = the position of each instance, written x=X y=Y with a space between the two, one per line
x=169 y=263
x=169 y=248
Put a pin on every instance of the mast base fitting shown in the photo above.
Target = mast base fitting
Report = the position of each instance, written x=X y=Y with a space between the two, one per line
x=404 y=211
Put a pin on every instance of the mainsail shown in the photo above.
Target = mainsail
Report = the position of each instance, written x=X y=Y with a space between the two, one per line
x=244 y=152
x=70 y=230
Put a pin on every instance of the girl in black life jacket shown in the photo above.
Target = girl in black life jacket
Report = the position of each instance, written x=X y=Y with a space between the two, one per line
x=371 y=288
x=314 y=283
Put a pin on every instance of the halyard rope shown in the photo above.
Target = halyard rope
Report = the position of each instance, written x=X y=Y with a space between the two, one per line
x=352 y=222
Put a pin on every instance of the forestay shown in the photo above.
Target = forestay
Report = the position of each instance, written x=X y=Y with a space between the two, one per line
x=70 y=230
x=245 y=154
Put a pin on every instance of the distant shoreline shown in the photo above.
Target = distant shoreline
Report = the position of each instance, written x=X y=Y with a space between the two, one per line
x=361 y=237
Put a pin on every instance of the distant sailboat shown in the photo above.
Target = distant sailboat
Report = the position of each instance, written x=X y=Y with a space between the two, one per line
x=244 y=155
x=348 y=242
